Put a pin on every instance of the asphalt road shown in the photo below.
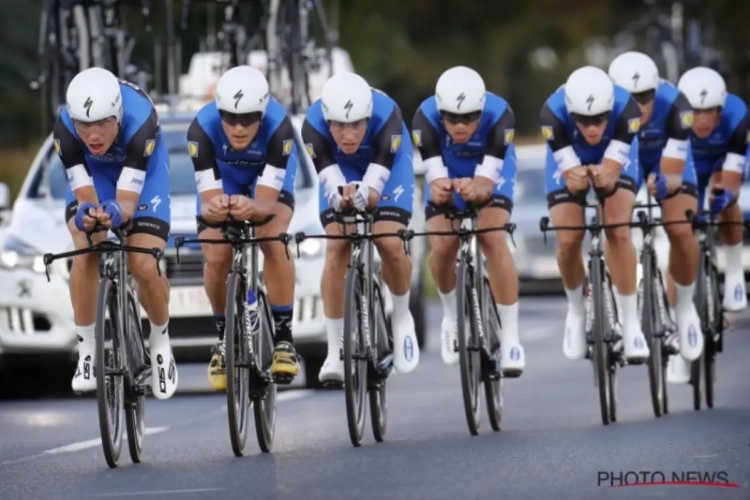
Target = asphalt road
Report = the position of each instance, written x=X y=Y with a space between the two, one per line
x=552 y=441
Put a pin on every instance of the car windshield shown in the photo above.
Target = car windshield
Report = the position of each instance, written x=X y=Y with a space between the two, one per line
x=530 y=184
x=181 y=174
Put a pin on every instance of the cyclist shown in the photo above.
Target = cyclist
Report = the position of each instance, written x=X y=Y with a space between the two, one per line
x=590 y=125
x=108 y=138
x=245 y=159
x=358 y=139
x=666 y=163
x=465 y=137
x=720 y=146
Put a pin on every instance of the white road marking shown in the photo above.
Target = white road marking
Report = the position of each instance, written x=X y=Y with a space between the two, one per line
x=82 y=445
x=154 y=492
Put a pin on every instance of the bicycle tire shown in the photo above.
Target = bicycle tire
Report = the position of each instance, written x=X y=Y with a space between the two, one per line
x=355 y=364
x=663 y=326
x=709 y=350
x=600 y=348
x=648 y=325
x=468 y=356
x=135 y=413
x=295 y=62
x=111 y=429
x=382 y=340
x=493 y=382
x=236 y=352
x=702 y=306
x=611 y=361
x=264 y=408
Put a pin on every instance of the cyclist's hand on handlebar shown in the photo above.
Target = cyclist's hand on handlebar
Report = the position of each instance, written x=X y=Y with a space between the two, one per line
x=241 y=207
x=217 y=210
x=347 y=197
x=440 y=190
x=84 y=219
x=577 y=179
x=720 y=199
x=662 y=185
x=605 y=176
x=478 y=190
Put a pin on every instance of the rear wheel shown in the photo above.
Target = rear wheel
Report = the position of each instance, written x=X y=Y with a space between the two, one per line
x=468 y=341
x=237 y=355
x=355 y=362
x=265 y=407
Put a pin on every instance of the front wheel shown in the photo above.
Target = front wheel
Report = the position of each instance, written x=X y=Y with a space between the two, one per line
x=355 y=359
x=264 y=407
x=600 y=328
x=492 y=378
x=468 y=345
x=237 y=353
x=382 y=340
x=135 y=415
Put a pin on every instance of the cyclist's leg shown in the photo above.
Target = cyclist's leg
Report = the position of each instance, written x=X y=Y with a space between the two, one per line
x=393 y=213
x=622 y=259
x=150 y=229
x=278 y=273
x=735 y=298
x=332 y=283
x=565 y=210
x=84 y=278
x=442 y=262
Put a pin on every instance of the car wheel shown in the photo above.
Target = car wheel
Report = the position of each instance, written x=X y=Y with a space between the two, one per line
x=416 y=305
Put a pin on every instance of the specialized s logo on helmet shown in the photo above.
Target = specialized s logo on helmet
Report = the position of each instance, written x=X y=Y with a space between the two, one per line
x=461 y=97
x=636 y=77
x=88 y=105
x=590 y=100
x=239 y=95
x=348 y=107
x=703 y=95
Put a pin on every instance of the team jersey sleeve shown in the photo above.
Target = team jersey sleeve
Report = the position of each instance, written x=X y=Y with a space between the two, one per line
x=387 y=142
x=554 y=131
x=626 y=128
x=203 y=155
x=500 y=137
x=738 y=147
x=427 y=140
x=138 y=152
x=72 y=156
x=321 y=152
x=278 y=151
x=678 y=126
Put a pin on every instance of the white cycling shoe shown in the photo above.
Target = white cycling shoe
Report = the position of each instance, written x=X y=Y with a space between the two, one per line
x=635 y=346
x=512 y=359
x=574 y=339
x=332 y=372
x=678 y=370
x=405 y=345
x=164 y=376
x=84 y=379
x=691 y=336
x=735 y=297
x=449 y=341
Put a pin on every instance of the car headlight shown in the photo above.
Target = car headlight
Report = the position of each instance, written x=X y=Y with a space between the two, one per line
x=311 y=248
x=18 y=255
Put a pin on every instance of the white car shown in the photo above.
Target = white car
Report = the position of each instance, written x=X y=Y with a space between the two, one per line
x=36 y=316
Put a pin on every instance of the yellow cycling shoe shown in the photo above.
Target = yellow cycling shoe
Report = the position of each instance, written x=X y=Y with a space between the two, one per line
x=285 y=365
x=217 y=369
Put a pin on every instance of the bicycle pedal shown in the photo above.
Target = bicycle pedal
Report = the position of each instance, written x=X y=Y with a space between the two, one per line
x=512 y=373
x=333 y=385
x=283 y=378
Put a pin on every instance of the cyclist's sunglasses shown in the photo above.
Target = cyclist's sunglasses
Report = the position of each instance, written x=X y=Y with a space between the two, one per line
x=465 y=118
x=644 y=97
x=587 y=121
x=243 y=119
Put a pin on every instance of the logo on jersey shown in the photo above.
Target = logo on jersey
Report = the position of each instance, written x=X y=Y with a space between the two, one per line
x=547 y=132
x=348 y=107
x=395 y=142
x=150 y=146
x=634 y=125
x=461 y=97
x=590 y=100
x=416 y=137
x=686 y=119
x=510 y=133
x=310 y=150
x=57 y=147
x=193 y=149
x=239 y=95
x=286 y=148
x=747 y=139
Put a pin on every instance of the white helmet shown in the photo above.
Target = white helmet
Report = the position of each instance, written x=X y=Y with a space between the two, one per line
x=241 y=90
x=346 y=98
x=589 y=92
x=635 y=72
x=93 y=95
x=460 y=90
x=703 y=87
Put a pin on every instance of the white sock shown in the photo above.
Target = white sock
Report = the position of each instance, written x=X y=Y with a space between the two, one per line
x=575 y=300
x=629 y=305
x=86 y=338
x=734 y=259
x=158 y=329
x=509 y=321
x=400 y=306
x=334 y=328
x=684 y=298
x=450 y=308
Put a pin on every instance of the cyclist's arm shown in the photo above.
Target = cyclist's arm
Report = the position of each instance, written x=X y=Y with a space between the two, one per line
x=500 y=137
x=427 y=140
x=734 y=162
x=72 y=156
x=556 y=134
x=203 y=155
x=626 y=128
x=271 y=180
x=678 y=126
x=386 y=145
x=319 y=148
x=140 y=147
